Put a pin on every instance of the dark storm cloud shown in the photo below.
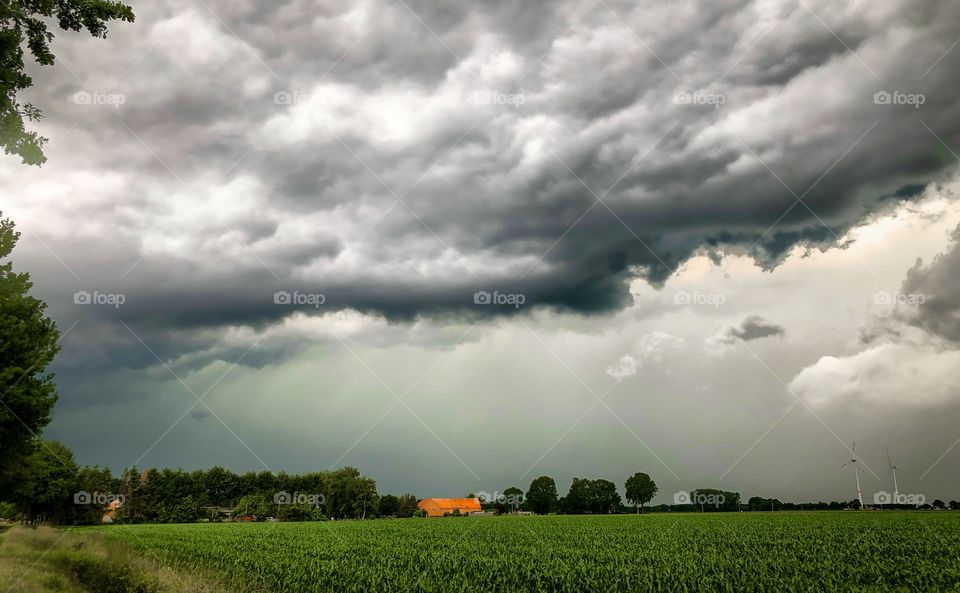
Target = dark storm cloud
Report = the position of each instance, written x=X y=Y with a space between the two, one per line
x=500 y=193
x=935 y=290
x=753 y=327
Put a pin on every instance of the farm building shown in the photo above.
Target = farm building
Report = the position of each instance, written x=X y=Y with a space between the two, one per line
x=438 y=507
x=111 y=511
x=225 y=513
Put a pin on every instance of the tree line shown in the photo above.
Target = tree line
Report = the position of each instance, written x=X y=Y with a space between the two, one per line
x=600 y=496
x=587 y=496
x=49 y=487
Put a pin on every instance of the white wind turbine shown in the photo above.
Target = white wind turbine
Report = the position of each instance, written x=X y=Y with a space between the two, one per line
x=893 y=472
x=856 y=472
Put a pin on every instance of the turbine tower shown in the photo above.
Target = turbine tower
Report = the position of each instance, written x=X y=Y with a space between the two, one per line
x=856 y=473
x=893 y=472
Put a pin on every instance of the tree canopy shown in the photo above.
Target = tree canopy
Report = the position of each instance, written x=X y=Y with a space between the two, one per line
x=640 y=489
x=592 y=496
x=45 y=484
x=542 y=495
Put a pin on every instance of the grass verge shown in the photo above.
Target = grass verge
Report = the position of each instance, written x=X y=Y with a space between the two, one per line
x=46 y=560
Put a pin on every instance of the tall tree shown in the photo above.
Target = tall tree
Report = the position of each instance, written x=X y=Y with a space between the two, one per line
x=28 y=342
x=578 y=499
x=640 y=489
x=542 y=495
x=46 y=484
x=389 y=505
x=406 y=505
x=220 y=485
x=604 y=496
x=24 y=22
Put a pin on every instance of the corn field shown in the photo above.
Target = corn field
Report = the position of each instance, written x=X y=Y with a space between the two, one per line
x=736 y=552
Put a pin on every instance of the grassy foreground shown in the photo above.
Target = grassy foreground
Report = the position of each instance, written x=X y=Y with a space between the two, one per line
x=817 y=551
x=49 y=560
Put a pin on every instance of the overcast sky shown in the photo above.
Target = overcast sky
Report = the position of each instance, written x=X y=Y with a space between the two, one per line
x=462 y=246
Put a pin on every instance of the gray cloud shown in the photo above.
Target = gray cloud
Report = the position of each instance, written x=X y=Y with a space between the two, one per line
x=754 y=327
x=222 y=197
x=936 y=291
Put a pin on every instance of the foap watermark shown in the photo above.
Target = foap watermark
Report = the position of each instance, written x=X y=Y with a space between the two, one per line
x=514 y=100
x=513 y=299
x=114 y=100
x=710 y=299
x=884 y=497
x=297 y=298
x=283 y=497
x=896 y=298
x=290 y=98
x=97 y=498
x=497 y=497
x=698 y=498
x=899 y=98
x=112 y=299
x=714 y=100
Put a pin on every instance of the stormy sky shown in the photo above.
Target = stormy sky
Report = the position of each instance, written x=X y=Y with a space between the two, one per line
x=462 y=245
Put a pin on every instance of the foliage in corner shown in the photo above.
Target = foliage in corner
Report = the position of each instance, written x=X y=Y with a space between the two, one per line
x=24 y=22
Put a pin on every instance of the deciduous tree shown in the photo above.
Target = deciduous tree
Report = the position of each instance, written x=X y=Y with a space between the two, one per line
x=388 y=505
x=640 y=489
x=542 y=495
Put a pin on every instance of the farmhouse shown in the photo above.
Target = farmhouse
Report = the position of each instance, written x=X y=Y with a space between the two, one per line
x=111 y=511
x=438 y=507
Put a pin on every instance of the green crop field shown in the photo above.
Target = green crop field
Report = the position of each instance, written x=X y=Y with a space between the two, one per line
x=742 y=552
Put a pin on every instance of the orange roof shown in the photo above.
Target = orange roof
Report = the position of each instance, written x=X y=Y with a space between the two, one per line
x=111 y=511
x=436 y=507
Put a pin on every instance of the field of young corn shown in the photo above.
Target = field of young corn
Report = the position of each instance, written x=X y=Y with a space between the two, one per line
x=737 y=552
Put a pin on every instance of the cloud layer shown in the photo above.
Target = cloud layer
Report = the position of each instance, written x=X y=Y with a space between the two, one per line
x=398 y=159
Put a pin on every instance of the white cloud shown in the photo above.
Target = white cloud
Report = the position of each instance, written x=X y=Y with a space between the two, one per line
x=651 y=348
x=625 y=367
x=888 y=375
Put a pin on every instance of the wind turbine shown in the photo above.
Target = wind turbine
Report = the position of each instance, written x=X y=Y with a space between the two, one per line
x=856 y=472
x=893 y=472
